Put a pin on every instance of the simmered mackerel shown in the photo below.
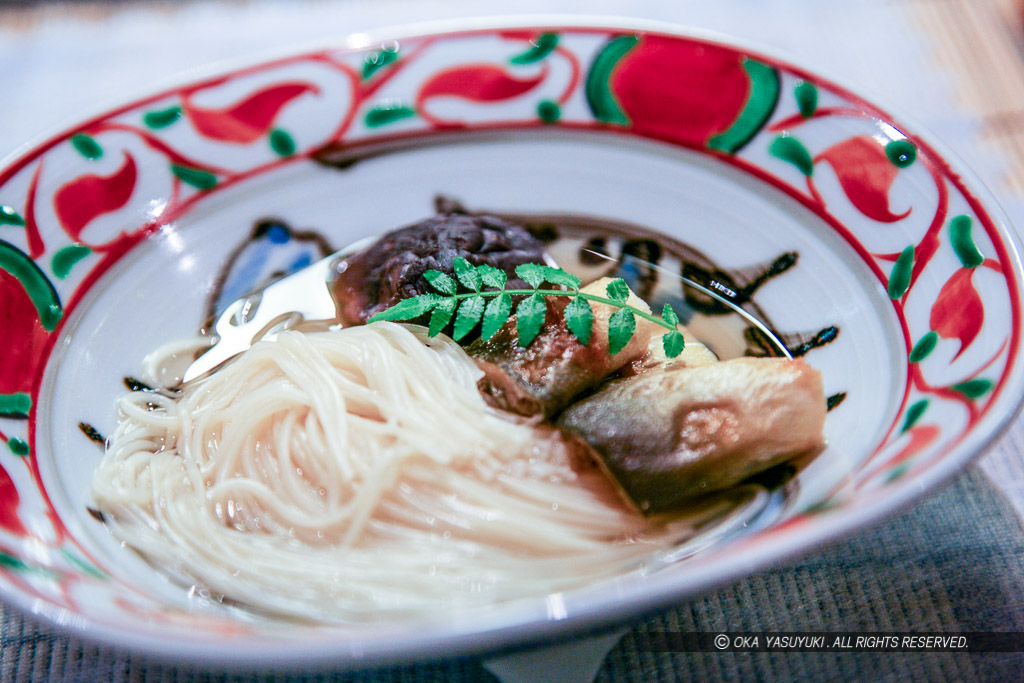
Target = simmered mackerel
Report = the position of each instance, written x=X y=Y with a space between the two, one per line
x=667 y=436
x=546 y=376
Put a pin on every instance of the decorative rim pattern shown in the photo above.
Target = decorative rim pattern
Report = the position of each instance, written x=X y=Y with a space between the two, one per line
x=76 y=204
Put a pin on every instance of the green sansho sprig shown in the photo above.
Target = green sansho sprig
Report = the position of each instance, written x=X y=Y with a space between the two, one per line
x=472 y=307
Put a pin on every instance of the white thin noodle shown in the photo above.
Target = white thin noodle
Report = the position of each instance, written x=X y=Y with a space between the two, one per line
x=358 y=474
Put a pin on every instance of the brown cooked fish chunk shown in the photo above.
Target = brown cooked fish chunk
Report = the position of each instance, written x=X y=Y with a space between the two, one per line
x=547 y=375
x=669 y=436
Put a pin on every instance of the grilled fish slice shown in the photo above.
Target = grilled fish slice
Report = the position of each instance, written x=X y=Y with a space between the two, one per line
x=667 y=436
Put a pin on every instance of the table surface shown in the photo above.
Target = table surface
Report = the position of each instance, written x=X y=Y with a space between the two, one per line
x=954 y=562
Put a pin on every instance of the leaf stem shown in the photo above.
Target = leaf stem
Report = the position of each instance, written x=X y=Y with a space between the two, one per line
x=573 y=293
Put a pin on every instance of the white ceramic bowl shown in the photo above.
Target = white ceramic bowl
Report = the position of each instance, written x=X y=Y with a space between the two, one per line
x=126 y=230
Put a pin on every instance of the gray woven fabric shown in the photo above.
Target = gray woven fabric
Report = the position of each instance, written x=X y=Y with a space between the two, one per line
x=954 y=562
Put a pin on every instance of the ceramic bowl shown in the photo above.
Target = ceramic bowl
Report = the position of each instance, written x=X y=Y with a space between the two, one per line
x=874 y=255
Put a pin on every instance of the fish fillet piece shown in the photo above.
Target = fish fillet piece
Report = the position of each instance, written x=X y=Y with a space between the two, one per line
x=668 y=436
x=547 y=375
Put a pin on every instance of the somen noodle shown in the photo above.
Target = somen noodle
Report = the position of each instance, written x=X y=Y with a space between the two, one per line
x=358 y=473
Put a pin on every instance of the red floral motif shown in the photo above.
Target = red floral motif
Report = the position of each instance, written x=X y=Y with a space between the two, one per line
x=24 y=337
x=85 y=198
x=247 y=120
x=9 y=500
x=477 y=82
x=958 y=312
x=921 y=436
x=866 y=175
x=681 y=90
x=36 y=248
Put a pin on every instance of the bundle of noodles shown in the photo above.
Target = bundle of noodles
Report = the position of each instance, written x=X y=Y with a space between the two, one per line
x=359 y=474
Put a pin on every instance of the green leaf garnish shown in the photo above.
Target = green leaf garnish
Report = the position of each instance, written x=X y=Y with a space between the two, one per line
x=557 y=276
x=579 y=318
x=532 y=273
x=470 y=312
x=491 y=276
x=472 y=307
x=673 y=343
x=442 y=314
x=621 y=326
x=467 y=274
x=669 y=315
x=440 y=281
x=495 y=315
x=618 y=290
x=408 y=309
x=530 y=318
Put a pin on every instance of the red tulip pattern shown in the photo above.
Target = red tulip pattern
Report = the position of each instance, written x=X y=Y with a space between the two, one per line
x=247 y=120
x=866 y=175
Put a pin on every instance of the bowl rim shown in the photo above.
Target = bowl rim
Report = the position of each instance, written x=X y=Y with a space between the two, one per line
x=659 y=591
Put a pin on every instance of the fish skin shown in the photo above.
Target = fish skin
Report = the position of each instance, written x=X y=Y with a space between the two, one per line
x=555 y=368
x=669 y=436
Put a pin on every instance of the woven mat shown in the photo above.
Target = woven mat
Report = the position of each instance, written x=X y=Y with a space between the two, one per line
x=954 y=562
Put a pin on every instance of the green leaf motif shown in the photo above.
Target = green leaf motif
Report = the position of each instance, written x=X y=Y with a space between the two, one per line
x=18 y=403
x=282 y=143
x=161 y=118
x=901 y=153
x=196 y=177
x=467 y=274
x=897 y=472
x=621 y=326
x=764 y=96
x=83 y=566
x=924 y=346
x=914 y=414
x=470 y=312
x=963 y=243
x=579 y=318
x=86 y=146
x=530 y=318
x=618 y=290
x=673 y=343
x=440 y=281
x=65 y=259
x=442 y=314
x=806 y=94
x=375 y=61
x=597 y=89
x=549 y=111
x=11 y=562
x=791 y=150
x=899 y=279
x=495 y=315
x=38 y=287
x=541 y=47
x=382 y=115
x=491 y=276
x=17 y=446
x=533 y=273
x=668 y=314
x=973 y=388
x=8 y=216
x=409 y=309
